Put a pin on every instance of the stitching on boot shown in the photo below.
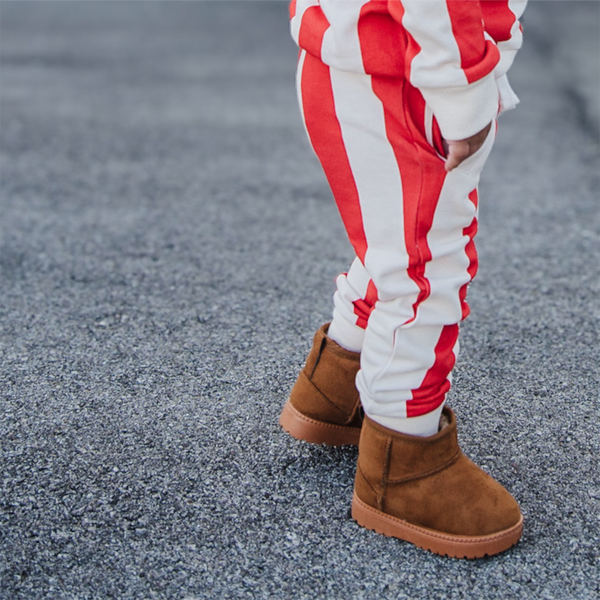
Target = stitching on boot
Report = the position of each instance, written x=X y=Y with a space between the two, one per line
x=365 y=478
x=385 y=473
x=321 y=348
x=445 y=465
x=324 y=396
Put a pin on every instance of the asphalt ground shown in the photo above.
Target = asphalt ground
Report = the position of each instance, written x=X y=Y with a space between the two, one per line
x=169 y=246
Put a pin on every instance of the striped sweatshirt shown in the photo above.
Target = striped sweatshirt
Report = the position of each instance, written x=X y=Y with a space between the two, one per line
x=456 y=52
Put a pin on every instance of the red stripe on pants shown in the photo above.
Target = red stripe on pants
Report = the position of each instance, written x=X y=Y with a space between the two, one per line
x=326 y=138
x=364 y=307
x=431 y=394
x=312 y=29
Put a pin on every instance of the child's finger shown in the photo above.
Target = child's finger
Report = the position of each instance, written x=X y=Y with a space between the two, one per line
x=457 y=152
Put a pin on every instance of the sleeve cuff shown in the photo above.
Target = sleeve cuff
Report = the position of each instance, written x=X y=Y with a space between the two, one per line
x=465 y=110
x=508 y=98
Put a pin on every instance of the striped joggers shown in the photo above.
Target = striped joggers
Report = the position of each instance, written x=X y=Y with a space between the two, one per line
x=411 y=225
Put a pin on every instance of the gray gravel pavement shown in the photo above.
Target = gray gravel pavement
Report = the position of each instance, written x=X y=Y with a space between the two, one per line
x=168 y=248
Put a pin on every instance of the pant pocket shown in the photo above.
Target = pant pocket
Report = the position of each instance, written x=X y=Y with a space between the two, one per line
x=433 y=134
x=476 y=161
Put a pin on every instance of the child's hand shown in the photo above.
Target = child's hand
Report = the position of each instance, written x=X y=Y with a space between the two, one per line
x=459 y=150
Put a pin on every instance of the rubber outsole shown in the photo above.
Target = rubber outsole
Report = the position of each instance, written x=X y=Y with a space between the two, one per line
x=304 y=428
x=454 y=546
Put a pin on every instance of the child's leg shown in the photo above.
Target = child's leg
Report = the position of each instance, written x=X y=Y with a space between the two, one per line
x=412 y=227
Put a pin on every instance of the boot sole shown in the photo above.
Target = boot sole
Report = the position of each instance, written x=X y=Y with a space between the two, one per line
x=304 y=428
x=454 y=546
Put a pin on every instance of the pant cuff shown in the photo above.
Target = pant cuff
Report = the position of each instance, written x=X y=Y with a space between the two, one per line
x=346 y=334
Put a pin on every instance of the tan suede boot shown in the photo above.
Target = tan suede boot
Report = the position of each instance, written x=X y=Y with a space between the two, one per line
x=425 y=491
x=324 y=406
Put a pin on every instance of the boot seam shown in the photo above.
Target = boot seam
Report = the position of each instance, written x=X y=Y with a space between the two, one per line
x=359 y=468
x=319 y=354
x=345 y=415
x=443 y=466
x=385 y=473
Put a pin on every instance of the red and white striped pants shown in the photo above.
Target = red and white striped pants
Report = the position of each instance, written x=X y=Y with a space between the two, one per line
x=412 y=226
